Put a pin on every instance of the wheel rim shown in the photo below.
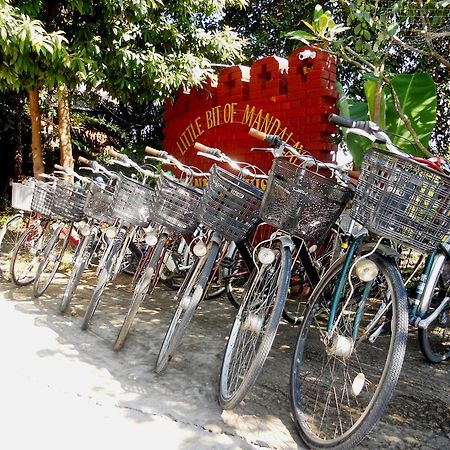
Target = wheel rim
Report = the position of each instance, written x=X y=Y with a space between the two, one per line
x=333 y=394
x=249 y=329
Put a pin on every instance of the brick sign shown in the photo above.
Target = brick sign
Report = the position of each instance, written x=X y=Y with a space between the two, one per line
x=288 y=97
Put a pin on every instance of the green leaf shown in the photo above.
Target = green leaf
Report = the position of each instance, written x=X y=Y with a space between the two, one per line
x=370 y=89
x=417 y=96
x=392 y=29
x=318 y=12
x=357 y=145
x=303 y=36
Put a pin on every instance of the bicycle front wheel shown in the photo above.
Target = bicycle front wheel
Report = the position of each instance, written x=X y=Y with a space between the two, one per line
x=145 y=285
x=341 y=384
x=190 y=294
x=53 y=255
x=255 y=327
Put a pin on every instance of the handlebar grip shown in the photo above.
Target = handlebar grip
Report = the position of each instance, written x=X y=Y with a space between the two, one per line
x=84 y=160
x=61 y=168
x=114 y=153
x=253 y=132
x=209 y=150
x=340 y=121
x=153 y=152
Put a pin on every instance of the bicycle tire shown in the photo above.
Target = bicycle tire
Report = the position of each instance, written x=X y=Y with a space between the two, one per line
x=144 y=286
x=312 y=393
x=52 y=258
x=102 y=280
x=254 y=328
x=82 y=256
x=27 y=253
x=237 y=279
x=10 y=234
x=194 y=289
x=434 y=340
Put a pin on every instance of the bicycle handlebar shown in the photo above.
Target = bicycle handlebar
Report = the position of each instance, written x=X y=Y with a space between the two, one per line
x=153 y=152
x=208 y=150
x=348 y=123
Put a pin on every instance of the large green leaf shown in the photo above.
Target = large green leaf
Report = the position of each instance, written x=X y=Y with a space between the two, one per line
x=417 y=96
x=357 y=145
x=370 y=89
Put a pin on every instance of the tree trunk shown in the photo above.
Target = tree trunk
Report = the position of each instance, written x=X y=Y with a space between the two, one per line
x=65 y=141
x=36 y=147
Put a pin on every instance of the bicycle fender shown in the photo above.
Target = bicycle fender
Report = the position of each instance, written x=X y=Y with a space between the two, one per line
x=382 y=248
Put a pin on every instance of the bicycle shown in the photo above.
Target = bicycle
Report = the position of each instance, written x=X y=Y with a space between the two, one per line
x=352 y=341
x=228 y=208
x=13 y=228
x=302 y=206
x=130 y=206
x=95 y=231
x=67 y=206
x=27 y=253
x=173 y=207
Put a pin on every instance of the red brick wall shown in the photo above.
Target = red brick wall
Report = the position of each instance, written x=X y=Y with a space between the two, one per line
x=289 y=97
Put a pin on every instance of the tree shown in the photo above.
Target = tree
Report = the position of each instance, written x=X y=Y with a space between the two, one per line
x=139 y=50
x=374 y=39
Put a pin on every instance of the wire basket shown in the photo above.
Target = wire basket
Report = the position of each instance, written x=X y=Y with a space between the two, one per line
x=132 y=202
x=69 y=201
x=403 y=200
x=230 y=205
x=302 y=202
x=43 y=196
x=98 y=204
x=175 y=205
x=22 y=195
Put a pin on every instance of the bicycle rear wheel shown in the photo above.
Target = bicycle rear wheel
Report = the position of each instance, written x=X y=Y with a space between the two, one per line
x=27 y=254
x=434 y=341
x=341 y=384
x=255 y=327
x=10 y=234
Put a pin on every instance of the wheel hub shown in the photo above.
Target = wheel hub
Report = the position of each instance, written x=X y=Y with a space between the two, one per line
x=253 y=323
x=185 y=302
x=339 y=345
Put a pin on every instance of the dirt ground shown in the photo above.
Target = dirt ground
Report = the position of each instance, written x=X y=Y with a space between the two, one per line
x=418 y=417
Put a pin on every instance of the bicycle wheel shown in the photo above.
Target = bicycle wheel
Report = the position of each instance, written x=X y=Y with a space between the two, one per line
x=51 y=259
x=237 y=277
x=340 y=385
x=318 y=258
x=82 y=256
x=191 y=293
x=10 y=233
x=27 y=254
x=104 y=276
x=144 y=286
x=434 y=341
x=255 y=327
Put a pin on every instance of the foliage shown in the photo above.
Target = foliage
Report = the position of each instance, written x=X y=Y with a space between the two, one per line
x=381 y=39
x=137 y=50
x=264 y=24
